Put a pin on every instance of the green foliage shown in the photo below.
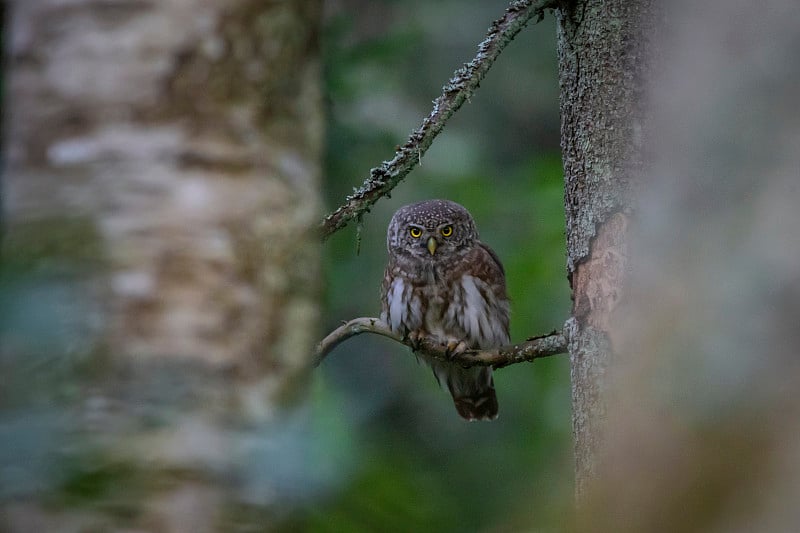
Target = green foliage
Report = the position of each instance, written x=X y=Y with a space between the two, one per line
x=51 y=244
x=419 y=467
x=379 y=447
x=387 y=497
x=116 y=487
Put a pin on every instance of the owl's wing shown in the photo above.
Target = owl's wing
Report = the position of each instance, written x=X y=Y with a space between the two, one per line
x=385 y=287
x=484 y=264
x=484 y=316
x=396 y=301
x=496 y=260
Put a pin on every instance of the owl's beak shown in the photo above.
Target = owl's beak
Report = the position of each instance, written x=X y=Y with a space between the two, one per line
x=432 y=244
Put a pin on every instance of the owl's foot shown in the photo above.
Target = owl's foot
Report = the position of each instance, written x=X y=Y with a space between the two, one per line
x=416 y=338
x=452 y=347
x=455 y=347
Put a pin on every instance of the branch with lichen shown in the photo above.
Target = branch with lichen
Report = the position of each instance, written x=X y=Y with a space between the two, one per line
x=460 y=88
x=534 y=348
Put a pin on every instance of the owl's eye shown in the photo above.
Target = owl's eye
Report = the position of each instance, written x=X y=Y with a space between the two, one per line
x=447 y=231
x=415 y=232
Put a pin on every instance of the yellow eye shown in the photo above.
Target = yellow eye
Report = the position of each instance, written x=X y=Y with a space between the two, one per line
x=447 y=231
x=415 y=232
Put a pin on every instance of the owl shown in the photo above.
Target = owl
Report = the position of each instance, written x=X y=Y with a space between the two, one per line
x=443 y=283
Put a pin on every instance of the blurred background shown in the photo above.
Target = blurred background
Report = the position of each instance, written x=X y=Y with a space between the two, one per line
x=149 y=399
x=418 y=466
x=165 y=167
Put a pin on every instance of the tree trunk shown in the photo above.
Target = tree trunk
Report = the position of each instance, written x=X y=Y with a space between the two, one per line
x=704 y=431
x=161 y=202
x=603 y=61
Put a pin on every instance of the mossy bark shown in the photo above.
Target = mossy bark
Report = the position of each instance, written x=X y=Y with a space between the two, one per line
x=603 y=60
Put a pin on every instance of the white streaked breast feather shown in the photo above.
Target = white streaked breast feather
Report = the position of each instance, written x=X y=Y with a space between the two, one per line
x=397 y=307
x=481 y=319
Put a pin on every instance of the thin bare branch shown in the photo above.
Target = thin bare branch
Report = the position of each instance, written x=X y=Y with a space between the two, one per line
x=534 y=348
x=460 y=88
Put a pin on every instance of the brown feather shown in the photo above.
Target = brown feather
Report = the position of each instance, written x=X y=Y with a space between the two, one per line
x=456 y=294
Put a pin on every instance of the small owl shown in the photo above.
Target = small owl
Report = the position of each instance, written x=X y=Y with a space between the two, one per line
x=442 y=282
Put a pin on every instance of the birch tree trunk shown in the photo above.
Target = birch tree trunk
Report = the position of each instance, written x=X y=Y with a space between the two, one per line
x=161 y=199
x=603 y=61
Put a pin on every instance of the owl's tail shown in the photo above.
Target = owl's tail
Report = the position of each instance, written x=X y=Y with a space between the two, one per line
x=482 y=407
x=472 y=390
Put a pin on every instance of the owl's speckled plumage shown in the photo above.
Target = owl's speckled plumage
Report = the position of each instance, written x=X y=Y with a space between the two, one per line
x=442 y=282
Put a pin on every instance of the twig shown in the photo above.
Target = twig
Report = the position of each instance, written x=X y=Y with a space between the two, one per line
x=461 y=86
x=535 y=348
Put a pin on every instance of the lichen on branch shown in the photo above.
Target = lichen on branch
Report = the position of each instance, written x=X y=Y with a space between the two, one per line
x=459 y=88
x=534 y=348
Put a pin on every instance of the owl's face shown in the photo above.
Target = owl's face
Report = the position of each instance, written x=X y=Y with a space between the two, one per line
x=431 y=230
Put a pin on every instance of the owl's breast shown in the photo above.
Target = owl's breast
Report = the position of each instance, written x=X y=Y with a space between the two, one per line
x=435 y=299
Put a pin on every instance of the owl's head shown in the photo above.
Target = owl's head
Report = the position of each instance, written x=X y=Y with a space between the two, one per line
x=433 y=229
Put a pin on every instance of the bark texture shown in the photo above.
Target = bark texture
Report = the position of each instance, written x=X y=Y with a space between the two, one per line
x=603 y=59
x=162 y=169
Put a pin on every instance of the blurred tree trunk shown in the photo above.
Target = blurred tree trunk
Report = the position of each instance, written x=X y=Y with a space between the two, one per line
x=161 y=196
x=704 y=434
x=603 y=62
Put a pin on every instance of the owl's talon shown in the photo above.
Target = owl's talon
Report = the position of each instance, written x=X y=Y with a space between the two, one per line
x=415 y=338
x=454 y=348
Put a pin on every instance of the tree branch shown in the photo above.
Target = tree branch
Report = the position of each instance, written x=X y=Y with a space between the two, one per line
x=534 y=348
x=461 y=86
